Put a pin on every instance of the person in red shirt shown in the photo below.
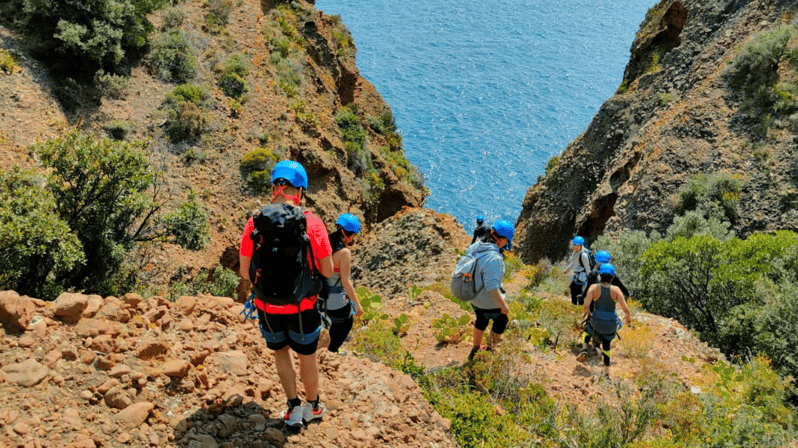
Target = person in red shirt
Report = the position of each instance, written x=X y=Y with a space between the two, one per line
x=280 y=324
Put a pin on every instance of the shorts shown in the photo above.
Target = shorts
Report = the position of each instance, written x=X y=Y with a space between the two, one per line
x=484 y=316
x=280 y=330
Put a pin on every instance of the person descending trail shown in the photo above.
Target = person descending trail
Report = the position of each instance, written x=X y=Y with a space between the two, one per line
x=338 y=300
x=286 y=284
x=481 y=229
x=580 y=265
x=603 y=323
x=489 y=303
x=603 y=257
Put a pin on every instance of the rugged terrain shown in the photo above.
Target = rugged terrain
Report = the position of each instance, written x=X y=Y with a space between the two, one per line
x=86 y=371
x=328 y=79
x=677 y=115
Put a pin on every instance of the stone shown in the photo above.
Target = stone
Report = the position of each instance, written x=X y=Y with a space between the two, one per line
x=176 y=368
x=135 y=414
x=69 y=306
x=233 y=362
x=28 y=373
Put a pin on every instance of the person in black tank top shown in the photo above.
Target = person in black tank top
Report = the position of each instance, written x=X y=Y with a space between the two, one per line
x=339 y=300
x=602 y=322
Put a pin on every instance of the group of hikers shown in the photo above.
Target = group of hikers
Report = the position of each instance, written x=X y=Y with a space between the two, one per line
x=301 y=283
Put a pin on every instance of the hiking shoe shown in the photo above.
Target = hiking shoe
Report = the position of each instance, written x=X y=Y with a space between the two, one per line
x=581 y=356
x=293 y=416
x=310 y=414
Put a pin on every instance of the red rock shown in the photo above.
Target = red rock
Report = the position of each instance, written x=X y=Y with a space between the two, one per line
x=69 y=306
x=150 y=348
x=135 y=414
x=28 y=373
x=176 y=368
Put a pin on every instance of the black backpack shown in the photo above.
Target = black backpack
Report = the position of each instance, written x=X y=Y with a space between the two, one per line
x=279 y=271
x=591 y=258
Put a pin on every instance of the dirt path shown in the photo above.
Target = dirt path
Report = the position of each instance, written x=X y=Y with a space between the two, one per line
x=653 y=342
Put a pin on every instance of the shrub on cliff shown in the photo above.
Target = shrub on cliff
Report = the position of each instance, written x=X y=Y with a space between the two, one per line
x=36 y=245
x=75 y=230
x=78 y=38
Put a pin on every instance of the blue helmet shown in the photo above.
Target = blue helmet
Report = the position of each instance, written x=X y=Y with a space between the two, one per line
x=349 y=222
x=607 y=268
x=291 y=171
x=602 y=256
x=504 y=229
x=480 y=219
x=579 y=241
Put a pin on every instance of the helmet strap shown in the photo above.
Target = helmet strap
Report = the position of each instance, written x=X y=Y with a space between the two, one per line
x=280 y=191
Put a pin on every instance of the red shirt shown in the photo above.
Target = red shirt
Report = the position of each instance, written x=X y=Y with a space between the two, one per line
x=319 y=242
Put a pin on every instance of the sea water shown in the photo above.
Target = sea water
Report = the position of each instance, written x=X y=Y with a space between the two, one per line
x=484 y=93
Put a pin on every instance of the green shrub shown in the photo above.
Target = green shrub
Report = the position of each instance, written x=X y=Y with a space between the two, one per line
x=218 y=14
x=707 y=193
x=256 y=167
x=233 y=85
x=103 y=191
x=189 y=224
x=36 y=246
x=172 y=18
x=187 y=92
x=110 y=85
x=172 y=58
x=552 y=163
x=7 y=63
x=222 y=282
x=118 y=129
x=185 y=121
x=78 y=39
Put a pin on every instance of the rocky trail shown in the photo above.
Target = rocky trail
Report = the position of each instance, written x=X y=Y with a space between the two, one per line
x=84 y=371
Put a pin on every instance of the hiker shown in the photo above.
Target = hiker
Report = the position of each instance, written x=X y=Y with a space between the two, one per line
x=580 y=265
x=603 y=257
x=489 y=303
x=481 y=229
x=602 y=321
x=290 y=326
x=339 y=298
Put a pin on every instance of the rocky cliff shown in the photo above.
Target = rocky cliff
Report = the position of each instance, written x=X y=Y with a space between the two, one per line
x=677 y=113
x=301 y=73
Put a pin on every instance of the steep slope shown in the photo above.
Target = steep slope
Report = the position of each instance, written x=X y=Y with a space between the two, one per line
x=676 y=114
x=301 y=74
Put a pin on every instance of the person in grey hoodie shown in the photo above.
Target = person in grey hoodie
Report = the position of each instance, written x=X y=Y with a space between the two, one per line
x=489 y=304
x=580 y=266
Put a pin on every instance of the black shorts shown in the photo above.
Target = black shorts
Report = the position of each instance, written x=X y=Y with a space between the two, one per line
x=484 y=316
x=280 y=330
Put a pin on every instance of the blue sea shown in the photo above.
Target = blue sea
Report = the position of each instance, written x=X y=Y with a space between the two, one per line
x=485 y=92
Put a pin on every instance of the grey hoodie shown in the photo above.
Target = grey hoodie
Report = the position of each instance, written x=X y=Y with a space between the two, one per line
x=489 y=273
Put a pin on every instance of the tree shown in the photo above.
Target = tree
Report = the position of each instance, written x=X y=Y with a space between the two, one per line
x=106 y=193
x=36 y=246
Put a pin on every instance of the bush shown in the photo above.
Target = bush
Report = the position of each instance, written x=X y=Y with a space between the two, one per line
x=7 y=63
x=172 y=58
x=110 y=85
x=103 y=191
x=185 y=121
x=218 y=14
x=78 y=39
x=118 y=129
x=708 y=194
x=36 y=245
x=256 y=166
x=189 y=224
x=222 y=282
x=232 y=80
x=185 y=117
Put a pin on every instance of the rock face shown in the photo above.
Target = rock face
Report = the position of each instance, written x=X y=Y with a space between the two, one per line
x=680 y=115
x=212 y=383
x=414 y=247
x=296 y=121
